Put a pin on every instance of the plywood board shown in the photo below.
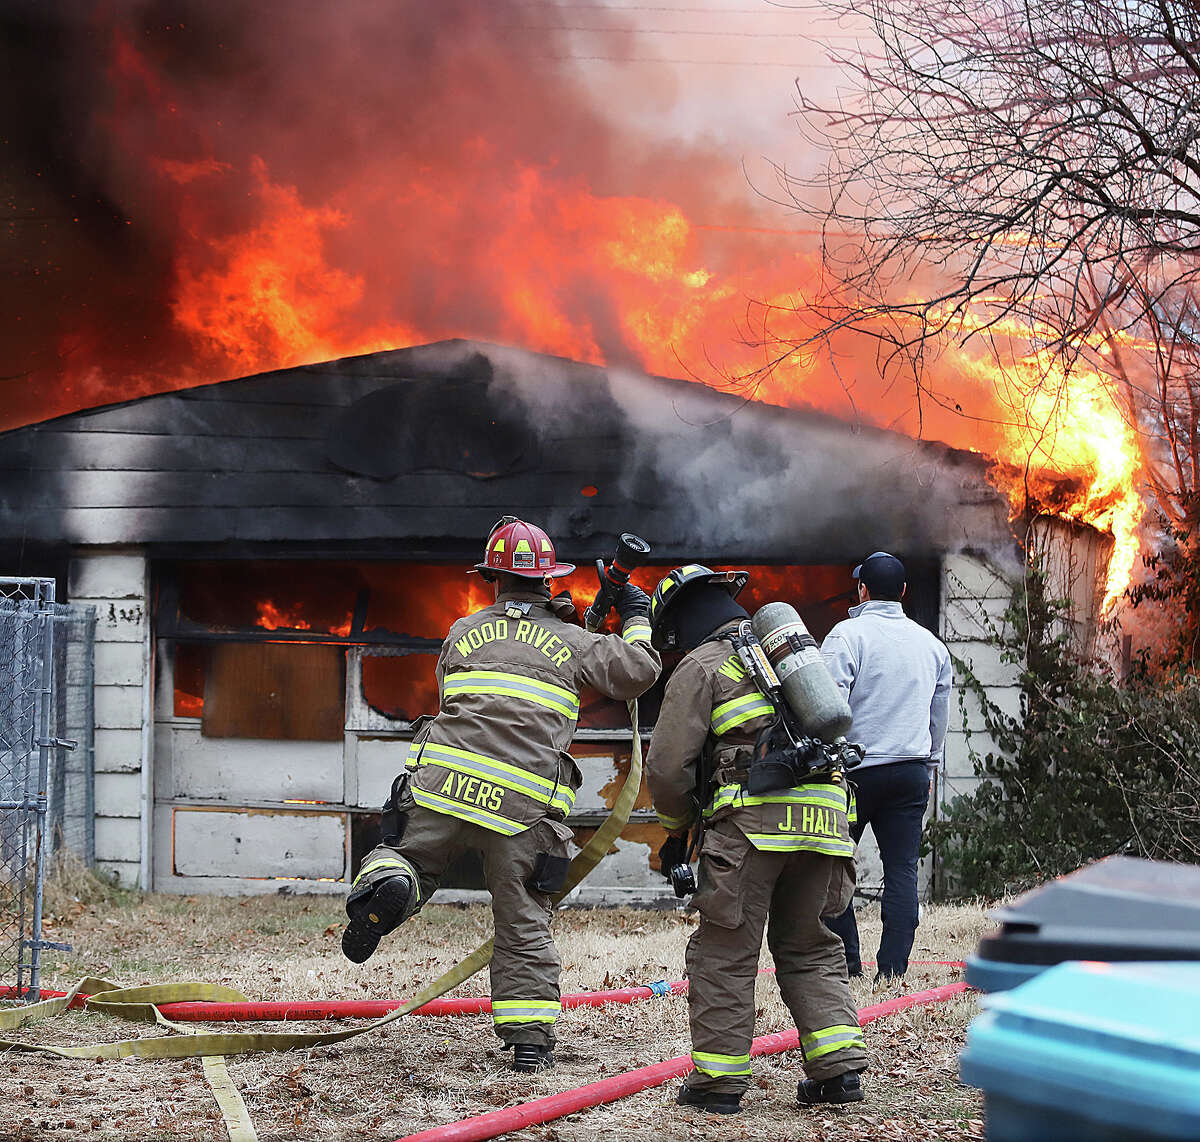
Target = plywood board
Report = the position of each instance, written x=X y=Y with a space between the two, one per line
x=274 y=690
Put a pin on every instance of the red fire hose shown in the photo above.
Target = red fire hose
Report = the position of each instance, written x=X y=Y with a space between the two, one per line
x=312 y=1010
x=365 y=1008
x=540 y=1110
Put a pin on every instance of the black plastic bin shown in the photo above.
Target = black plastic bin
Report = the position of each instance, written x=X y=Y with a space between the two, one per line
x=1116 y=910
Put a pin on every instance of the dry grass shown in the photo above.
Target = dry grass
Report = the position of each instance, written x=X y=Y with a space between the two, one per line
x=422 y=1072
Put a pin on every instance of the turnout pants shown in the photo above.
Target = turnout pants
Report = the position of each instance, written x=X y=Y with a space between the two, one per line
x=742 y=891
x=525 y=966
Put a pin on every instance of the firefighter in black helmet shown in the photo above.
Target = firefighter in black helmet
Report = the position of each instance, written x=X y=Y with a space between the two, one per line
x=777 y=862
x=714 y=604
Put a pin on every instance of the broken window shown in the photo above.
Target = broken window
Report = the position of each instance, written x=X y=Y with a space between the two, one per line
x=404 y=610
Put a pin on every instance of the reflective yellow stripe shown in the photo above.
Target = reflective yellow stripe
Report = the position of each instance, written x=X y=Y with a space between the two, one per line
x=737 y=711
x=636 y=630
x=819 y=796
x=383 y=862
x=491 y=769
x=471 y=813
x=484 y=768
x=525 y=1010
x=718 y=1065
x=413 y=756
x=791 y=843
x=392 y=862
x=830 y=1039
x=672 y=823
x=521 y=686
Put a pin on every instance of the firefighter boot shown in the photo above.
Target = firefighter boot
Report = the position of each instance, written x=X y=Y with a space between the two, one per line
x=531 y=1057
x=713 y=1101
x=845 y=1087
x=373 y=915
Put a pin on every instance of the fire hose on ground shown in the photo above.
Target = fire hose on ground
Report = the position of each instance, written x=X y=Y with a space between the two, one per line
x=538 y=1111
x=307 y=1011
x=542 y=1110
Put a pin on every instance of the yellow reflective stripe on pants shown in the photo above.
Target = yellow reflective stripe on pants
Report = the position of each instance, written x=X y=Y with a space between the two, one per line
x=479 y=765
x=735 y=712
x=525 y=1010
x=521 y=686
x=636 y=631
x=829 y=1039
x=791 y=843
x=818 y=796
x=471 y=813
x=718 y=1065
x=401 y=865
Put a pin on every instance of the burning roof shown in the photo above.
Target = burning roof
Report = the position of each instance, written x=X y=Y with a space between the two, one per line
x=423 y=448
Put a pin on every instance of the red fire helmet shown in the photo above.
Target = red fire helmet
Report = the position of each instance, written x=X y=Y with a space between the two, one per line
x=524 y=549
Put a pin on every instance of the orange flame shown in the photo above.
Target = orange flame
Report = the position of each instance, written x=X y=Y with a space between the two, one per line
x=270 y=616
x=280 y=255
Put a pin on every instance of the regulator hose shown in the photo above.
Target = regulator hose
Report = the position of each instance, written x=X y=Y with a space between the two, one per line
x=308 y=1011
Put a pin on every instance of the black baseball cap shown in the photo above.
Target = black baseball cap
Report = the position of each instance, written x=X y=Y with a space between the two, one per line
x=882 y=573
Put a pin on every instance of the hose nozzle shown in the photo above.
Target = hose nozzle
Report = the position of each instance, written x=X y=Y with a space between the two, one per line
x=631 y=552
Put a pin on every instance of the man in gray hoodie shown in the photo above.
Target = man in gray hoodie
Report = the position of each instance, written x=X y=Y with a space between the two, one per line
x=896 y=677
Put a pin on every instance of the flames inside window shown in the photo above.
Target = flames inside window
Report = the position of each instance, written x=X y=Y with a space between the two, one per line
x=408 y=607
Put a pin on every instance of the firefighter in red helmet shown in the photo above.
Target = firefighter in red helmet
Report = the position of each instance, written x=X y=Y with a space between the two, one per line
x=491 y=773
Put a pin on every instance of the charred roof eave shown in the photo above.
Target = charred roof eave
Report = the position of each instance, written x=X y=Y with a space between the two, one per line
x=426 y=446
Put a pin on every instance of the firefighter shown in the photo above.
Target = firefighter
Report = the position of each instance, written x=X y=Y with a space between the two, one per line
x=491 y=773
x=780 y=861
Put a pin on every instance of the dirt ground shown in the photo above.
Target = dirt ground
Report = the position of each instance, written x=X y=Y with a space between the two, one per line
x=422 y=1072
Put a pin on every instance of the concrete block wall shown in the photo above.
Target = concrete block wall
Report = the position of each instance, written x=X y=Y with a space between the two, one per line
x=117 y=585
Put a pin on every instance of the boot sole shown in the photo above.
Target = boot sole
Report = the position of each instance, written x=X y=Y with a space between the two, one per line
x=709 y=1108
x=531 y=1068
x=836 y=1100
x=373 y=918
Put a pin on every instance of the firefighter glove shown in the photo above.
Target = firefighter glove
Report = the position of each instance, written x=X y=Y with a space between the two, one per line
x=563 y=607
x=632 y=601
x=673 y=852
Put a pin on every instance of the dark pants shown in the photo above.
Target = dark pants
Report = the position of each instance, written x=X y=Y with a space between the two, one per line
x=891 y=799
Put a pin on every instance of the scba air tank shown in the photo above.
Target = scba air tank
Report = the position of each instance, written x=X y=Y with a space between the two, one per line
x=807 y=685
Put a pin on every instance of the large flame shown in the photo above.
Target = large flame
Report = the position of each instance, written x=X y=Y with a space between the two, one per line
x=348 y=182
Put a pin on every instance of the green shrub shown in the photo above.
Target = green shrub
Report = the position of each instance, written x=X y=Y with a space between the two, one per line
x=1090 y=767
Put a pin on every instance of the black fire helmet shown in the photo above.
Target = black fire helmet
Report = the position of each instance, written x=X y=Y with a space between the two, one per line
x=674 y=587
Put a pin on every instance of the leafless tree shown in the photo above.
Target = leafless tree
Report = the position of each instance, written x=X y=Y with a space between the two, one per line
x=1023 y=175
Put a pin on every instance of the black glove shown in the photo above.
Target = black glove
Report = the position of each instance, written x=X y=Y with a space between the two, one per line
x=673 y=852
x=563 y=607
x=632 y=601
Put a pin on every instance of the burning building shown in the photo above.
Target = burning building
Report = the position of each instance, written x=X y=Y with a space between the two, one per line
x=276 y=559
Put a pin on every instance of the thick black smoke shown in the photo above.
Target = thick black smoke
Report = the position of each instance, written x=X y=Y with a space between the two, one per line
x=131 y=127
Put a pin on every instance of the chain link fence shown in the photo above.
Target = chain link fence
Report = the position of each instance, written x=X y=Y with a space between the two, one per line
x=71 y=808
x=26 y=675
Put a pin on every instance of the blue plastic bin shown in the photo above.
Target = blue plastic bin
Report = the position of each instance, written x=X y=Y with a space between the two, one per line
x=1091 y=1052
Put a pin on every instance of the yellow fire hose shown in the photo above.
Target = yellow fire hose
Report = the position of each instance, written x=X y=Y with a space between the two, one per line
x=140 y=1004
